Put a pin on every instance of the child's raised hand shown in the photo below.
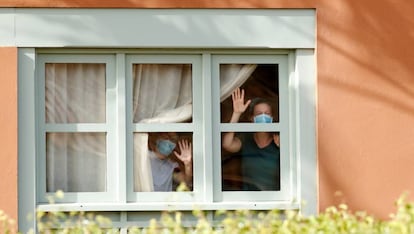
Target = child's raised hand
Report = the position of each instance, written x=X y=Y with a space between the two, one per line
x=185 y=154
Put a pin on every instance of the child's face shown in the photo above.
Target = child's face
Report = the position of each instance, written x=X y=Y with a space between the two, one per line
x=164 y=146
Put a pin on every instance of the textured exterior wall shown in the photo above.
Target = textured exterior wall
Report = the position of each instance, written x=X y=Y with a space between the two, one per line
x=8 y=133
x=365 y=96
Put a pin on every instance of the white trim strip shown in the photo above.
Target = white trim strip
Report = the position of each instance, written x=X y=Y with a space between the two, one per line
x=158 y=206
x=154 y=28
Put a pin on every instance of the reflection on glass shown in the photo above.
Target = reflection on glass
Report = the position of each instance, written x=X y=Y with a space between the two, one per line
x=257 y=81
x=76 y=162
x=75 y=93
x=162 y=93
x=255 y=165
x=162 y=161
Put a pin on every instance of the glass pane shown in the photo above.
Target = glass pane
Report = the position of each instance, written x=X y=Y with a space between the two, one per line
x=75 y=93
x=162 y=161
x=251 y=164
x=258 y=83
x=162 y=93
x=76 y=162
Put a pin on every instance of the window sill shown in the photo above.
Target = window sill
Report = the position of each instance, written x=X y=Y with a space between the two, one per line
x=161 y=206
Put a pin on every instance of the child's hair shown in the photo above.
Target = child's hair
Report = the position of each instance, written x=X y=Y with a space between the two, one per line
x=154 y=136
x=256 y=101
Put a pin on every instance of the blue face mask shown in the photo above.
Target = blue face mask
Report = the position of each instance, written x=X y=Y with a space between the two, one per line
x=165 y=147
x=263 y=118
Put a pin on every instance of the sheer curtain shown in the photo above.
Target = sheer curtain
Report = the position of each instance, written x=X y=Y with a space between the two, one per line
x=162 y=94
x=75 y=93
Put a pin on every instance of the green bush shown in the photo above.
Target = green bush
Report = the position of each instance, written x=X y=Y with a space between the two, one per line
x=7 y=224
x=335 y=219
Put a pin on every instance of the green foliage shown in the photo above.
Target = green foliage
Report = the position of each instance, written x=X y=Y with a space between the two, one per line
x=75 y=222
x=335 y=219
x=7 y=224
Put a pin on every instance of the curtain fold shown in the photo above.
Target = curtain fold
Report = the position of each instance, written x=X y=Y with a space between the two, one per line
x=233 y=76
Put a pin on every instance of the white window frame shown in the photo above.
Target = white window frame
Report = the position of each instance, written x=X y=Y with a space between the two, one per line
x=194 y=127
x=296 y=132
x=167 y=29
x=286 y=156
x=119 y=123
x=109 y=127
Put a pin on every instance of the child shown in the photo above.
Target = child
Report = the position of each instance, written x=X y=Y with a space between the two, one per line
x=168 y=165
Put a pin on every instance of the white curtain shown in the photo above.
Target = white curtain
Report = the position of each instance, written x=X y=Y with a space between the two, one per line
x=162 y=94
x=75 y=93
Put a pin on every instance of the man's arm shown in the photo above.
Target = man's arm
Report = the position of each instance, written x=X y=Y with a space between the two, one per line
x=230 y=142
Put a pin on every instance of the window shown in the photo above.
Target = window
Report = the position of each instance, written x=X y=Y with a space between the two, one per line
x=75 y=124
x=254 y=168
x=100 y=116
x=159 y=100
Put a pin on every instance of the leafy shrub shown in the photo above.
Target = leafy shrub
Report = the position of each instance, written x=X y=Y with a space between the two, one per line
x=7 y=224
x=335 y=219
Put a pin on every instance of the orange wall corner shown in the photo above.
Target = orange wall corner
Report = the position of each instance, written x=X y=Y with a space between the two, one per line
x=8 y=133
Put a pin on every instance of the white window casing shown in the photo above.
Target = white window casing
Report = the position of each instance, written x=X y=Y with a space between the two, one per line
x=158 y=28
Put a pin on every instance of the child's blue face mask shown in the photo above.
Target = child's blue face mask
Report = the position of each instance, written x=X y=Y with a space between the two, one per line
x=165 y=147
x=263 y=118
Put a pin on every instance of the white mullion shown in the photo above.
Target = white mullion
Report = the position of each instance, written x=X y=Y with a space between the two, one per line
x=285 y=102
x=121 y=129
x=294 y=130
x=207 y=127
x=215 y=116
x=41 y=130
x=129 y=131
x=112 y=163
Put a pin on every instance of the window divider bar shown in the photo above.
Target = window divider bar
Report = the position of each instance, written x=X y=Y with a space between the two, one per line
x=121 y=129
x=75 y=127
x=170 y=127
x=40 y=141
x=249 y=127
x=208 y=128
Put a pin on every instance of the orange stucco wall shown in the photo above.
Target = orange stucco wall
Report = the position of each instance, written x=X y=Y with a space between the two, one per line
x=365 y=95
x=8 y=133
